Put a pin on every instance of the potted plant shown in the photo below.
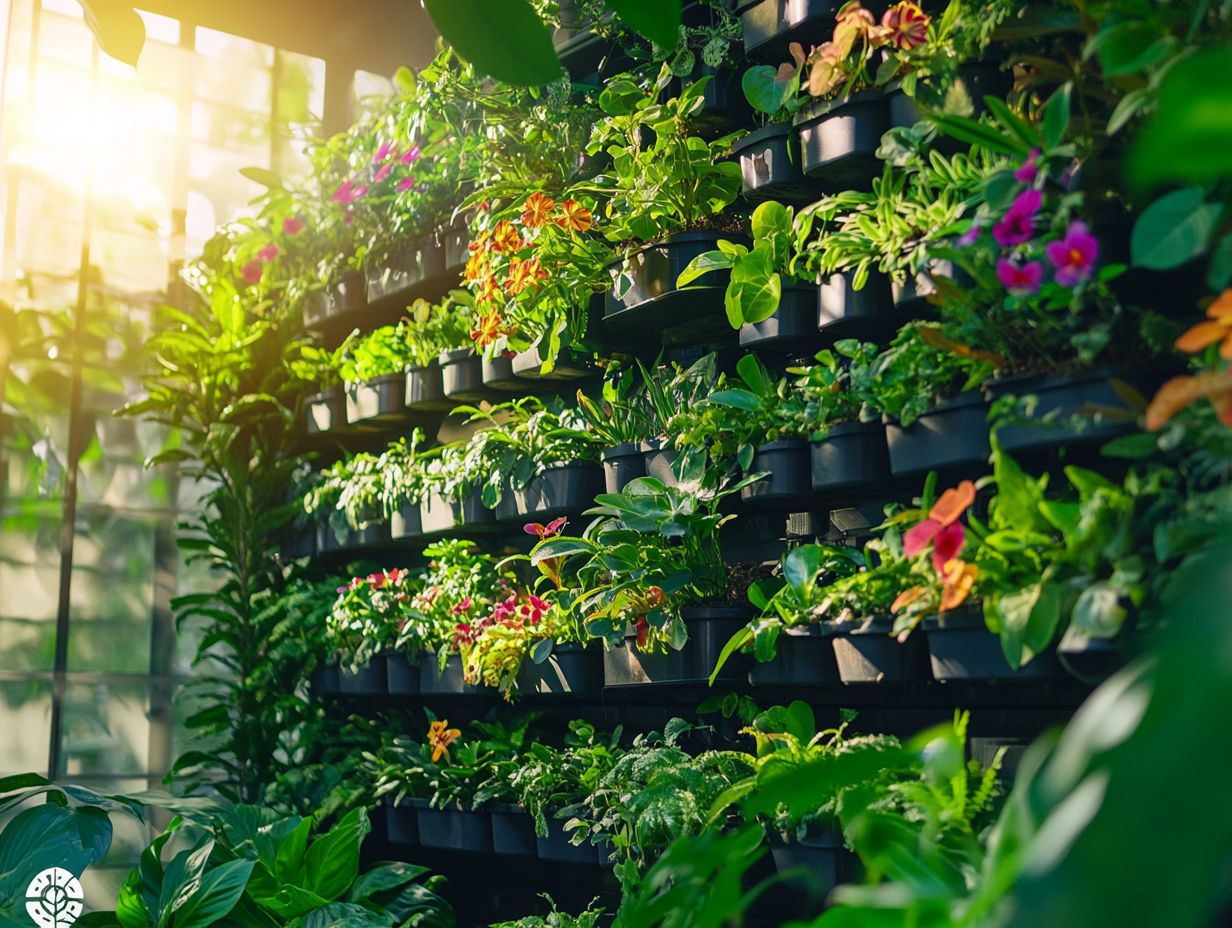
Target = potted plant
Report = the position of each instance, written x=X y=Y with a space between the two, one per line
x=619 y=426
x=363 y=623
x=769 y=24
x=763 y=299
x=669 y=193
x=513 y=829
x=450 y=499
x=770 y=160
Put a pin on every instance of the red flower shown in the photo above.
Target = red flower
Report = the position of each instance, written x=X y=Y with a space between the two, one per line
x=545 y=531
x=292 y=226
x=945 y=513
x=252 y=272
x=463 y=606
x=268 y=253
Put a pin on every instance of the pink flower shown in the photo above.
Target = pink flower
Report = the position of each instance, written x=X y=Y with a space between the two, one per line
x=1020 y=280
x=292 y=225
x=407 y=183
x=383 y=152
x=252 y=272
x=947 y=544
x=971 y=236
x=1073 y=256
x=268 y=253
x=1018 y=224
x=463 y=606
x=1030 y=168
x=412 y=155
x=545 y=531
x=348 y=192
x=384 y=172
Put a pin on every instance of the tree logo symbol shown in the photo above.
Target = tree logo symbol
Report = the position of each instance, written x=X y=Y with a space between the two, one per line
x=54 y=898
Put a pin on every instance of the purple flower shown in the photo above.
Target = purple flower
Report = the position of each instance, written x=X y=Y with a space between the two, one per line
x=412 y=155
x=1018 y=224
x=1020 y=279
x=971 y=236
x=384 y=172
x=1030 y=168
x=383 y=152
x=407 y=183
x=1073 y=256
x=347 y=192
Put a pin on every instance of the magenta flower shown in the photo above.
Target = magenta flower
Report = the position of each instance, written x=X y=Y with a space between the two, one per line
x=1073 y=256
x=384 y=172
x=293 y=225
x=268 y=253
x=1030 y=168
x=407 y=183
x=1018 y=224
x=1020 y=279
x=383 y=152
x=947 y=544
x=971 y=236
x=348 y=192
x=252 y=271
x=412 y=155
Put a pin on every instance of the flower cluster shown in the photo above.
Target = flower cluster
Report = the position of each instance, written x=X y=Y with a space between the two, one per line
x=386 y=160
x=842 y=64
x=947 y=536
x=1213 y=384
x=507 y=264
x=254 y=269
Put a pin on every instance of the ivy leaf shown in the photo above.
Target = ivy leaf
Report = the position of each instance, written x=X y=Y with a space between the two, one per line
x=1174 y=229
x=504 y=39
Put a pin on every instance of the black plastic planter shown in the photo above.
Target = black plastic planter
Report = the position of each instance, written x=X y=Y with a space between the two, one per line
x=378 y=400
x=644 y=296
x=455 y=829
x=569 y=365
x=323 y=681
x=438 y=514
x=960 y=648
x=570 y=670
x=710 y=628
x=402 y=676
x=622 y=464
x=300 y=541
x=326 y=411
x=368 y=680
x=448 y=682
x=402 y=823
x=513 y=830
x=814 y=863
x=1061 y=398
x=867 y=313
x=770 y=165
x=408 y=268
x=462 y=376
x=557 y=847
x=792 y=328
x=975 y=80
x=839 y=140
x=911 y=297
x=1090 y=660
x=344 y=296
x=455 y=242
x=659 y=461
x=954 y=436
x=805 y=657
x=869 y=653
x=787 y=479
x=852 y=457
x=330 y=541
x=498 y=376
x=425 y=390
x=561 y=490
x=769 y=25
x=406 y=522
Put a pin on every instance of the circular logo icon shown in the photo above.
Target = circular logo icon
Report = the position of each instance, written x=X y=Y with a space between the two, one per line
x=53 y=898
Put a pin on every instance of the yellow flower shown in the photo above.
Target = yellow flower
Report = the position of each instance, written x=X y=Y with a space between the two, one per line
x=505 y=237
x=960 y=577
x=537 y=210
x=575 y=216
x=491 y=327
x=440 y=737
x=523 y=274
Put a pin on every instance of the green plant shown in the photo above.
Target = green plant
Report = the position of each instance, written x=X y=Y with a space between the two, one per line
x=590 y=918
x=552 y=779
x=622 y=413
x=664 y=179
x=835 y=388
x=756 y=284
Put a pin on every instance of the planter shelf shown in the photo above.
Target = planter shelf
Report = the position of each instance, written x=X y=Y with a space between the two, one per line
x=462 y=376
x=448 y=682
x=408 y=272
x=498 y=376
x=787 y=481
x=513 y=830
x=453 y=829
x=350 y=540
x=402 y=676
x=344 y=297
x=771 y=166
x=792 y=331
x=868 y=313
x=326 y=411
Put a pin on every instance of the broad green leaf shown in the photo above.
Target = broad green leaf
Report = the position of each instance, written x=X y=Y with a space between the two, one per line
x=736 y=398
x=215 y=895
x=332 y=861
x=657 y=20
x=118 y=28
x=1128 y=46
x=703 y=264
x=769 y=218
x=1056 y=115
x=505 y=39
x=1174 y=229
x=765 y=92
x=262 y=176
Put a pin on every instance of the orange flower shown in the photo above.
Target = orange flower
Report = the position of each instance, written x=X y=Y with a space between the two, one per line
x=440 y=737
x=476 y=267
x=907 y=597
x=523 y=274
x=1179 y=392
x=491 y=327
x=489 y=292
x=537 y=210
x=1218 y=329
x=505 y=237
x=575 y=216
x=960 y=577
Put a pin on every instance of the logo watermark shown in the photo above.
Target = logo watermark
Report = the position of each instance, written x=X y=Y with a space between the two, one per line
x=54 y=898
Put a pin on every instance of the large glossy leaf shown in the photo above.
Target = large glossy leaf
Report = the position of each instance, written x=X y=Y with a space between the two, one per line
x=118 y=28
x=1174 y=229
x=755 y=290
x=705 y=263
x=332 y=862
x=215 y=895
x=47 y=836
x=657 y=20
x=505 y=39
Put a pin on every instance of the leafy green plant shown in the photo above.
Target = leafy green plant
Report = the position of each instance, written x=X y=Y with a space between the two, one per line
x=591 y=917
x=552 y=780
x=834 y=389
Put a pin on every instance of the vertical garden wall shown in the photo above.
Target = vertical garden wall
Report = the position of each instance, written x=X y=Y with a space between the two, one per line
x=691 y=473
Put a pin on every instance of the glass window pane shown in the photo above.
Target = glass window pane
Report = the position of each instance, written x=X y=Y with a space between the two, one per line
x=26 y=732
x=106 y=729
